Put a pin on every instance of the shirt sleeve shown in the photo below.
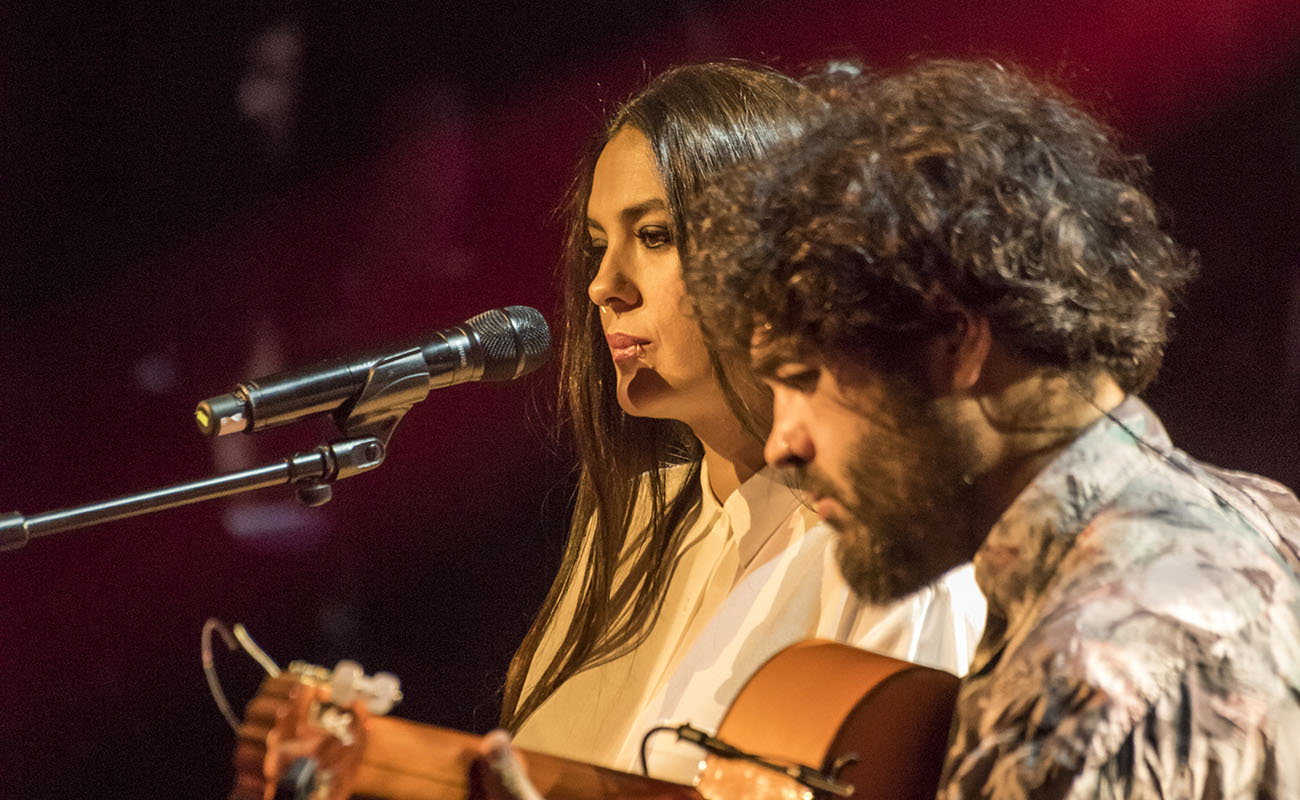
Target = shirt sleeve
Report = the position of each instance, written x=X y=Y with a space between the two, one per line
x=1063 y=738
x=1026 y=743
x=1162 y=756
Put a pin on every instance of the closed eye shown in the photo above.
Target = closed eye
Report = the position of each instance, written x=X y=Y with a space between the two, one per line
x=800 y=380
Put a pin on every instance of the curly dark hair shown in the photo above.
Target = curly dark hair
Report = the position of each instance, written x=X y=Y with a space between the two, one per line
x=960 y=177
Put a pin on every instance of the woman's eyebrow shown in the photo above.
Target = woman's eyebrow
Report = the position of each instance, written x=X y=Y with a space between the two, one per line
x=633 y=212
x=640 y=209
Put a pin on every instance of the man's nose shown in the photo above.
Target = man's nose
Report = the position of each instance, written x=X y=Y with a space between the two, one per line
x=787 y=447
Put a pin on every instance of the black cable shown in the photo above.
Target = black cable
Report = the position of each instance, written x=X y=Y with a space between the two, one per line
x=808 y=776
x=645 y=739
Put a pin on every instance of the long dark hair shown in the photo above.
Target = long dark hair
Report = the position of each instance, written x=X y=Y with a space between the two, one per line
x=629 y=518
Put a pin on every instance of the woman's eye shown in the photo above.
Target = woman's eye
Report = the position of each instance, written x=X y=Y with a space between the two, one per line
x=653 y=236
x=596 y=251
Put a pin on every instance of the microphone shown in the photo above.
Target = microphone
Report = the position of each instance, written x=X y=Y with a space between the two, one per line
x=814 y=779
x=497 y=345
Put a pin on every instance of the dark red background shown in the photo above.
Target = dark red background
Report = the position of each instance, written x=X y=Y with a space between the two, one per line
x=149 y=253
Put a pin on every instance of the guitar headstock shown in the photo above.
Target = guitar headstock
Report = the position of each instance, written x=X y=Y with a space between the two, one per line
x=304 y=733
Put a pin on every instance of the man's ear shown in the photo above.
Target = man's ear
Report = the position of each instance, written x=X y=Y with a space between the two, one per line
x=957 y=355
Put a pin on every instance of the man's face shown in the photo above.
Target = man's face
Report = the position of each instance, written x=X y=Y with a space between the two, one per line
x=886 y=466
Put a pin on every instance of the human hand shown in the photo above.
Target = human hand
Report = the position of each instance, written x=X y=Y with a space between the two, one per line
x=508 y=778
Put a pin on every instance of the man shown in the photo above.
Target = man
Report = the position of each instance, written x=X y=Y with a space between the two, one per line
x=955 y=287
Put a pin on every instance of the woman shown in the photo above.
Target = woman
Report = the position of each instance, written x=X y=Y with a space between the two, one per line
x=688 y=563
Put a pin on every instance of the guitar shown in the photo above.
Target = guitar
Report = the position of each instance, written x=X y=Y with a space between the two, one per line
x=876 y=723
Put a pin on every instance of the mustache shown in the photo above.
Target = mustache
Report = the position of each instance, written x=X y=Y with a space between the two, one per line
x=806 y=478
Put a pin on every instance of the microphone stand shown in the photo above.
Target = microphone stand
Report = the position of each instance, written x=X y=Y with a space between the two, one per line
x=392 y=387
x=311 y=472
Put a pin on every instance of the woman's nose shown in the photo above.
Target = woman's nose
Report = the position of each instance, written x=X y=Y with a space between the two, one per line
x=612 y=286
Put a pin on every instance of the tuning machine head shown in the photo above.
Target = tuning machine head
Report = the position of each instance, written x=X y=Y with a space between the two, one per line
x=349 y=684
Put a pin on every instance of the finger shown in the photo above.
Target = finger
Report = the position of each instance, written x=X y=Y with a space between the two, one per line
x=507 y=767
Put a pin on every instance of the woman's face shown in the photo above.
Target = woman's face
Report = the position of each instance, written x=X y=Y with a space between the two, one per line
x=659 y=354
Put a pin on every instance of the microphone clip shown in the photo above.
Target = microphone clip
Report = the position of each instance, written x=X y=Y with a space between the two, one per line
x=394 y=385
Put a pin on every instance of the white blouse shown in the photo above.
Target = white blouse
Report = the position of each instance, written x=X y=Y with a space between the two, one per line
x=758 y=572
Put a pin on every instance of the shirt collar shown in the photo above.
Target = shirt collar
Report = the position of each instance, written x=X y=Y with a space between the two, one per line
x=755 y=510
x=1025 y=546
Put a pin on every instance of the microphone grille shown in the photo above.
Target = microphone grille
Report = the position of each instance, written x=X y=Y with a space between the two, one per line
x=515 y=341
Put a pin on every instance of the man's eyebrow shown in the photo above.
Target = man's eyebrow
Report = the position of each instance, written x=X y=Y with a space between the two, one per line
x=770 y=359
x=634 y=211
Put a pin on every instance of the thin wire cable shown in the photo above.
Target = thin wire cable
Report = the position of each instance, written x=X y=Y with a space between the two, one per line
x=258 y=654
x=210 y=671
x=645 y=770
x=239 y=639
x=1167 y=456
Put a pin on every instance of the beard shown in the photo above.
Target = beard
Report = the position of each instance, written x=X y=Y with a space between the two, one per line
x=909 y=503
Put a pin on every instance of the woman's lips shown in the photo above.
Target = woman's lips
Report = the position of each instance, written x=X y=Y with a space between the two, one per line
x=625 y=347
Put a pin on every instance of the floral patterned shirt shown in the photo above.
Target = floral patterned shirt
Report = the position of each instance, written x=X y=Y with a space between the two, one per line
x=1143 y=636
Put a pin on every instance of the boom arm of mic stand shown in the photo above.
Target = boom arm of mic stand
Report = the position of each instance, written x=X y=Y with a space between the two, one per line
x=311 y=471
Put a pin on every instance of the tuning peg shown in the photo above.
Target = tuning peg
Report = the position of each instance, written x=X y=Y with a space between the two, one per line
x=348 y=684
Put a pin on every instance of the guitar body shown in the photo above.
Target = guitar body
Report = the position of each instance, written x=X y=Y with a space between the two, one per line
x=817 y=703
x=814 y=703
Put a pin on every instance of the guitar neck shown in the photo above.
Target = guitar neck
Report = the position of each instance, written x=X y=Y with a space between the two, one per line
x=404 y=760
x=814 y=703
